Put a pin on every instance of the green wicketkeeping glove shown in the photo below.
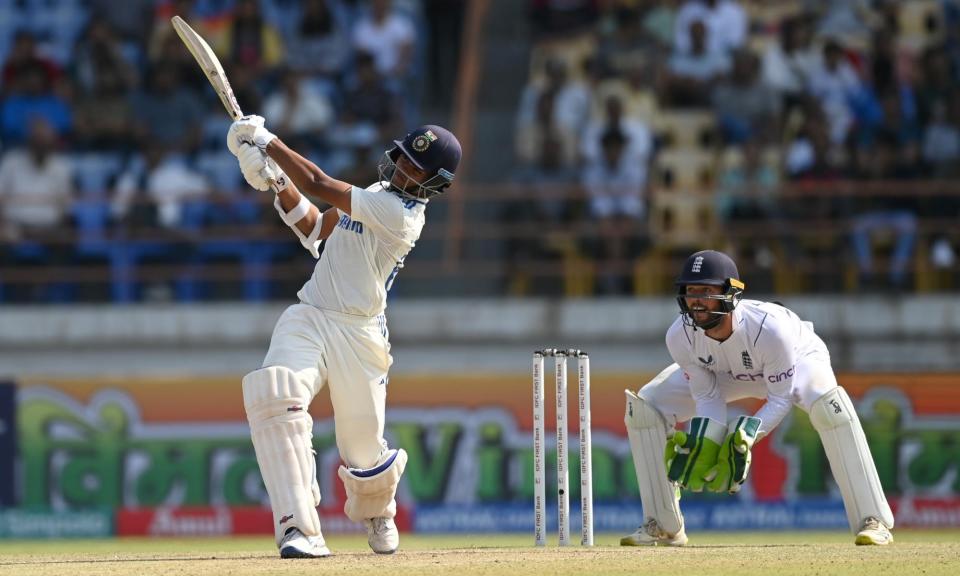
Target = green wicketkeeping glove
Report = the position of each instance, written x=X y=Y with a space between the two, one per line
x=689 y=456
x=733 y=462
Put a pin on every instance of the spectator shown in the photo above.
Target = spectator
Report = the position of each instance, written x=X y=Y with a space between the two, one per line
x=299 y=113
x=389 y=36
x=562 y=17
x=131 y=19
x=249 y=41
x=834 y=83
x=627 y=46
x=748 y=199
x=370 y=114
x=887 y=159
x=153 y=193
x=36 y=186
x=36 y=196
x=317 y=45
x=746 y=108
x=99 y=51
x=615 y=183
x=104 y=118
x=659 y=20
x=23 y=60
x=941 y=140
x=555 y=106
x=691 y=74
x=789 y=63
x=638 y=139
x=539 y=218
x=168 y=114
x=725 y=20
x=32 y=99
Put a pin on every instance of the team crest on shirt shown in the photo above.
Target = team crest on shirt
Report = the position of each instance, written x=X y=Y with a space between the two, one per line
x=422 y=142
x=747 y=361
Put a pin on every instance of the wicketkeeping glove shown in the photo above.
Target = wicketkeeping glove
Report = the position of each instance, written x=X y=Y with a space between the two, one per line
x=733 y=463
x=690 y=455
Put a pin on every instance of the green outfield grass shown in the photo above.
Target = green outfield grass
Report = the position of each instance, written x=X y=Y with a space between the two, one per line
x=709 y=554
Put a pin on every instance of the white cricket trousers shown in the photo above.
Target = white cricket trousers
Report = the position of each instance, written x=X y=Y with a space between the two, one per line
x=350 y=354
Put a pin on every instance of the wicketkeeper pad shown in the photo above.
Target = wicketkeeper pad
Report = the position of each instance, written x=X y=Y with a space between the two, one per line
x=836 y=421
x=371 y=491
x=647 y=432
x=276 y=404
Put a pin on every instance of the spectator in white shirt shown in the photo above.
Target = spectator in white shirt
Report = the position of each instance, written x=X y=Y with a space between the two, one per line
x=726 y=22
x=299 y=112
x=36 y=187
x=834 y=83
x=789 y=63
x=615 y=184
x=388 y=35
x=691 y=74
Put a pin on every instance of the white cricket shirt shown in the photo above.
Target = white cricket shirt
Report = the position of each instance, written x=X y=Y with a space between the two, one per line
x=364 y=253
x=767 y=341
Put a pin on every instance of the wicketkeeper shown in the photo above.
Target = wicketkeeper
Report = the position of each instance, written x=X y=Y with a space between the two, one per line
x=725 y=349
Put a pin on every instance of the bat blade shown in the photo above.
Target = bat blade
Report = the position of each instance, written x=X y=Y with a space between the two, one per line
x=210 y=65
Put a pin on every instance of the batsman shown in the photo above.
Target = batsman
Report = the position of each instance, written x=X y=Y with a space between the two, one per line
x=336 y=335
x=725 y=349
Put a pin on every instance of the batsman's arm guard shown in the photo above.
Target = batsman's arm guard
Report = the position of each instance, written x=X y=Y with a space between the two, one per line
x=312 y=241
x=370 y=492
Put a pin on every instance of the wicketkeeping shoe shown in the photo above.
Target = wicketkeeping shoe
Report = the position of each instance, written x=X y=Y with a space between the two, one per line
x=382 y=535
x=296 y=545
x=873 y=532
x=651 y=534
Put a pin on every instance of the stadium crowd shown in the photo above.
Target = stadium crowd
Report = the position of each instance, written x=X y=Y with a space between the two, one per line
x=743 y=122
x=110 y=132
x=799 y=136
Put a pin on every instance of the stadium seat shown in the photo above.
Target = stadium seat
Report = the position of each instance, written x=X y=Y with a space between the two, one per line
x=680 y=220
x=921 y=24
x=687 y=170
x=687 y=129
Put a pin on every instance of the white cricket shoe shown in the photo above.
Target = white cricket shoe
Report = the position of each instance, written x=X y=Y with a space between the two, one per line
x=873 y=532
x=651 y=534
x=296 y=545
x=382 y=535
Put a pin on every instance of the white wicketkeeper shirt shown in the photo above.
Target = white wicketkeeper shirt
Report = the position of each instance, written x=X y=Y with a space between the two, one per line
x=364 y=253
x=766 y=346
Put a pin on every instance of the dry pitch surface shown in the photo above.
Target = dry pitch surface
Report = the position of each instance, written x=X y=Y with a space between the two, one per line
x=709 y=554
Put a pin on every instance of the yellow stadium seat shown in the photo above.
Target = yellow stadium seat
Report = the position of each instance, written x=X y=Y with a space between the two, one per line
x=921 y=24
x=679 y=220
x=687 y=129
x=686 y=170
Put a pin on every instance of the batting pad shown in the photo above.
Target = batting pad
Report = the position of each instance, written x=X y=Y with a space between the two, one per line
x=370 y=492
x=647 y=431
x=846 y=446
x=276 y=404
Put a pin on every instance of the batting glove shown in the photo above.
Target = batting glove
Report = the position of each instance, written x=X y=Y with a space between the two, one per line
x=249 y=129
x=733 y=462
x=258 y=170
x=691 y=455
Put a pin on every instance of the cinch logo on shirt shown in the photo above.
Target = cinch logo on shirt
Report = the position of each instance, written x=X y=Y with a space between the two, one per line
x=774 y=378
x=347 y=224
x=747 y=377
